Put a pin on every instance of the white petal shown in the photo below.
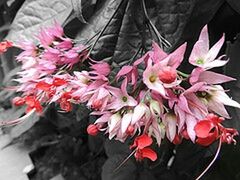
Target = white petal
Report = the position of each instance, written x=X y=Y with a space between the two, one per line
x=126 y=120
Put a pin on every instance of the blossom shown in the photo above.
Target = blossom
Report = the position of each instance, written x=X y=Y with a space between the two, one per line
x=151 y=79
x=18 y=101
x=141 y=111
x=141 y=144
x=204 y=57
x=209 y=77
x=210 y=129
x=130 y=72
x=122 y=99
x=4 y=46
x=217 y=98
x=92 y=130
x=170 y=121
x=102 y=68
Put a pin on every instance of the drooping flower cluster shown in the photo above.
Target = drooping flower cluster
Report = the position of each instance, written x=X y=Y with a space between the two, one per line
x=149 y=97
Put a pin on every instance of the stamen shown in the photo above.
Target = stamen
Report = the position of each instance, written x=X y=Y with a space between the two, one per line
x=214 y=159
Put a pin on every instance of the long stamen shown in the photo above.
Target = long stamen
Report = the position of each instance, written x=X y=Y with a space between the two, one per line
x=17 y=121
x=125 y=160
x=214 y=159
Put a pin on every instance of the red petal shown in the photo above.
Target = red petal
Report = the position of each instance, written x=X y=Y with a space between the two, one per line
x=43 y=86
x=177 y=139
x=149 y=153
x=59 y=82
x=208 y=140
x=203 y=128
x=143 y=141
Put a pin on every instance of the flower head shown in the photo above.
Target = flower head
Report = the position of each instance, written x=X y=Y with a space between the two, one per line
x=203 y=56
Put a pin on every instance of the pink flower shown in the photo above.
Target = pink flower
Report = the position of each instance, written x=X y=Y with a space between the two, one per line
x=48 y=34
x=122 y=99
x=209 y=77
x=170 y=121
x=126 y=121
x=101 y=68
x=156 y=77
x=204 y=57
x=99 y=99
x=151 y=78
x=217 y=98
x=130 y=72
x=4 y=46
x=141 y=111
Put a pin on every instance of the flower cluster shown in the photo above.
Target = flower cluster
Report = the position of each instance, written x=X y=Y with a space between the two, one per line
x=149 y=97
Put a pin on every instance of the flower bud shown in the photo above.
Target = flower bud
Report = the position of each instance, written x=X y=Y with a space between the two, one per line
x=18 y=101
x=155 y=108
x=92 y=130
x=167 y=75
x=130 y=130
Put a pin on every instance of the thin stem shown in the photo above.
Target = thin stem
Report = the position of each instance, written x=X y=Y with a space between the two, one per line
x=125 y=160
x=161 y=39
x=105 y=27
x=135 y=55
x=214 y=159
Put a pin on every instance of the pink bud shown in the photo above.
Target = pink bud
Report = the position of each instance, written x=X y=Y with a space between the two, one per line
x=167 y=75
x=97 y=104
x=18 y=101
x=92 y=130
x=130 y=130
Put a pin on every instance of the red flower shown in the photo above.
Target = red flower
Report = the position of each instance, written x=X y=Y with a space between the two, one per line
x=210 y=129
x=65 y=103
x=18 y=101
x=177 y=139
x=33 y=103
x=59 y=82
x=141 y=144
x=92 y=130
x=42 y=85
x=4 y=46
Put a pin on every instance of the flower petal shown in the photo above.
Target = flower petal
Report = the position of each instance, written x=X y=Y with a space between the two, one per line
x=214 y=78
x=203 y=128
x=213 y=52
x=143 y=141
x=149 y=153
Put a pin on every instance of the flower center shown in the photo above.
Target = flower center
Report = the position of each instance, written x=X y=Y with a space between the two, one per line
x=124 y=99
x=200 y=61
x=152 y=78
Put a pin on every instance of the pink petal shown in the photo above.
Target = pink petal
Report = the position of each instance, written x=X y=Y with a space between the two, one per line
x=214 y=78
x=215 y=63
x=213 y=52
x=158 y=53
x=218 y=108
x=177 y=56
x=126 y=120
x=123 y=71
x=190 y=123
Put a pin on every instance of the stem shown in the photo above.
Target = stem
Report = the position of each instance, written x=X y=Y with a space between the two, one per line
x=214 y=159
x=135 y=55
x=183 y=74
x=105 y=27
x=161 y=39
x=125 y=160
